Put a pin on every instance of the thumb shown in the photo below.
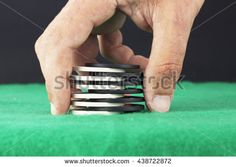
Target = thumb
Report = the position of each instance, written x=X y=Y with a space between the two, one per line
x=171 y=29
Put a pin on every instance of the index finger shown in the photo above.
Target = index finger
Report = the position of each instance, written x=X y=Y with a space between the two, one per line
x=56 y=48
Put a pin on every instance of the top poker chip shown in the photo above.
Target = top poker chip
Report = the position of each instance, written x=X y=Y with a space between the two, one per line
x=121 y=66
x=105 y=69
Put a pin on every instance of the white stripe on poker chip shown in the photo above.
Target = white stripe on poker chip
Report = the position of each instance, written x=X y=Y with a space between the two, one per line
x=103 y=69
x=95 y=96
x=96 y=78
x=95 y=104
x=98 y=87
x=78 y=112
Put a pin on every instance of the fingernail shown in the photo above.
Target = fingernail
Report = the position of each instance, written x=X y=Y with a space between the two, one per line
x=53 y=109
x=161 y=103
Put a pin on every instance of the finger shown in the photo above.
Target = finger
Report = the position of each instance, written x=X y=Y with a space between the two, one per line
x=111 y=25
x=58 y=72
x=171 y=28
x=86 y=53
x=112 y=48
x=57 y=47
x=88 y=50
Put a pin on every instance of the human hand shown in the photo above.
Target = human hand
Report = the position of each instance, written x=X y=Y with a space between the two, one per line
x=71 y=40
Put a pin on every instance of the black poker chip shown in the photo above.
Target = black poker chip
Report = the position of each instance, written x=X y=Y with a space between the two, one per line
x=121 y=83
x=123 y=75
x=125 y=108
x=128 y=99
x=123 y=91
x=121 y=66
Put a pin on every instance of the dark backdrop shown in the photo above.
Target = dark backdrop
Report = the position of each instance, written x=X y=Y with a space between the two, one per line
x=211 y=53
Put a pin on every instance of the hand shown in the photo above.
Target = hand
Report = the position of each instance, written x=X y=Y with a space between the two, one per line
x=71 y=40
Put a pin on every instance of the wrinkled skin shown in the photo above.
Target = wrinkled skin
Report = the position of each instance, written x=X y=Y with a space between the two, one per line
x=83 y=27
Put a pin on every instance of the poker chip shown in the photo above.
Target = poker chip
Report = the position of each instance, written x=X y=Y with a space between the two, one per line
x=115 y=83
x=125 y=100
x=121 y=66
x=78 y=112
x=98 y=87
x=124 y=109
x=94 y=96
x=122 y=91
x=95 y=104
x=123 y=75
x=95 y=78
x=106 y=79
x=103 y=69
x=105 y=89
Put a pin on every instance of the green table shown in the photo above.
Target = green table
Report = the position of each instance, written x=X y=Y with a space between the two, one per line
x=202 y=121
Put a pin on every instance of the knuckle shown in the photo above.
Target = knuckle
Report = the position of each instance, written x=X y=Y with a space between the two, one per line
x=162 y=78
x=168 y=69
x=169 y=73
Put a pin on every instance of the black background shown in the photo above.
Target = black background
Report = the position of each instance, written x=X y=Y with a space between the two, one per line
x=211 y=52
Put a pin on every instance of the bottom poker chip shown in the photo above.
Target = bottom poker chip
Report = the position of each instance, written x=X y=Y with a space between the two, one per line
x=78 y=112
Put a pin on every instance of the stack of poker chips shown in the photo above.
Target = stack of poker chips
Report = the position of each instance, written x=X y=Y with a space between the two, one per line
x=106 y=89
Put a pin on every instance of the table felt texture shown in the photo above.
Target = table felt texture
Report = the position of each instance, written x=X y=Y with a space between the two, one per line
x=202 y=122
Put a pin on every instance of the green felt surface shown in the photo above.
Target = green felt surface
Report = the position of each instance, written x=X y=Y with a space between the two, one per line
x=202 y=121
